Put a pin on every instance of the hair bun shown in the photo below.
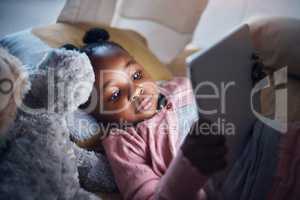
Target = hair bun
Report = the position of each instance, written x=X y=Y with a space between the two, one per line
x=95 y=35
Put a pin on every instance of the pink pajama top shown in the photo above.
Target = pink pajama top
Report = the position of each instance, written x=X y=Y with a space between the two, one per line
x=146 y=159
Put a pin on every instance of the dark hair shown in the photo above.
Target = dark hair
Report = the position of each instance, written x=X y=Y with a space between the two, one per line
x=69 y=47
x=95 y=39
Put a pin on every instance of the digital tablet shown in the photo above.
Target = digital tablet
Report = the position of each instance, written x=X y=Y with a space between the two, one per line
x=221 y=79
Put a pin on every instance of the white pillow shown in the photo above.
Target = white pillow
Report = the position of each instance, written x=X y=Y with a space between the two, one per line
x=100 y=11
x=167 y=25
x=220 y=17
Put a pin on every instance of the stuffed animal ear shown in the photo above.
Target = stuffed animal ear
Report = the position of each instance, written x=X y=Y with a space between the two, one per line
x=14 y=85
x=68 y=78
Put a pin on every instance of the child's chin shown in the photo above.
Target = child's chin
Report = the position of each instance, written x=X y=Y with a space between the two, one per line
x=149 y=113
x=146 y=114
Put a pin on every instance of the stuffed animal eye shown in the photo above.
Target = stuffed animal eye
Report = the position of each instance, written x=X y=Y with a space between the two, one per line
x=6 y=86
x=137 y=75
x=116 y=94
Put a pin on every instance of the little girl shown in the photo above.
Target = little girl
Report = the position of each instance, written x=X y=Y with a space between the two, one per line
x=157 y=155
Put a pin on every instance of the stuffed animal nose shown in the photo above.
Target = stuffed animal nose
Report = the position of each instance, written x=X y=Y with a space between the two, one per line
x=139 y=91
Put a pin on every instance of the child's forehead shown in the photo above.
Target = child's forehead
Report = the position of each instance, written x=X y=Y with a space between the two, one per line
x=106 y=52
x=112 y=61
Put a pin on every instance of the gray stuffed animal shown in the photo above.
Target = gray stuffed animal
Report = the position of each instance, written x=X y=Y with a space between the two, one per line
x=37 y=158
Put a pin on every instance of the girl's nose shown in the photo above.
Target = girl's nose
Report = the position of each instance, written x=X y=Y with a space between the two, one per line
x=138 y=91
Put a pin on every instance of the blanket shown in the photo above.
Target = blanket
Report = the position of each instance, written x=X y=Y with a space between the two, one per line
x=252 y=174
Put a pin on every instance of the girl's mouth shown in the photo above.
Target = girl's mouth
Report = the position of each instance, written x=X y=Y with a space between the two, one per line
x=145 y=104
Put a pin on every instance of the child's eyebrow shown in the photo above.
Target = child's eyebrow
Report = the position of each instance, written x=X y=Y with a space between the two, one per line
x=130 y=62
x=106 y=84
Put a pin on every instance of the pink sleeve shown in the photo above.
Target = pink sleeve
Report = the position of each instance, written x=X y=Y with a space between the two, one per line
x=178 y=84
x=137 y=181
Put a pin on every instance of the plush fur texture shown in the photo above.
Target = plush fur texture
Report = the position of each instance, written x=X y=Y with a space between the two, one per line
x=13 y=86
x=39 y=160
x=68 y=81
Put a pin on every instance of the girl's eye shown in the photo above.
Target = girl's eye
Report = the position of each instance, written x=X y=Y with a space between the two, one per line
x=116 y=94
x=137 y=75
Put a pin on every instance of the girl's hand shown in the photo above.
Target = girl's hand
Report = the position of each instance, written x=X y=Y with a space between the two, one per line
x=205 y=150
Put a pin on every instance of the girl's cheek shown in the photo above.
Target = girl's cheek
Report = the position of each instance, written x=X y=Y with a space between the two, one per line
x=121 y=105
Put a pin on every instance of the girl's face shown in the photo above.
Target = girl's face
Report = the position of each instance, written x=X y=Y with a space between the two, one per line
x=126 y=92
